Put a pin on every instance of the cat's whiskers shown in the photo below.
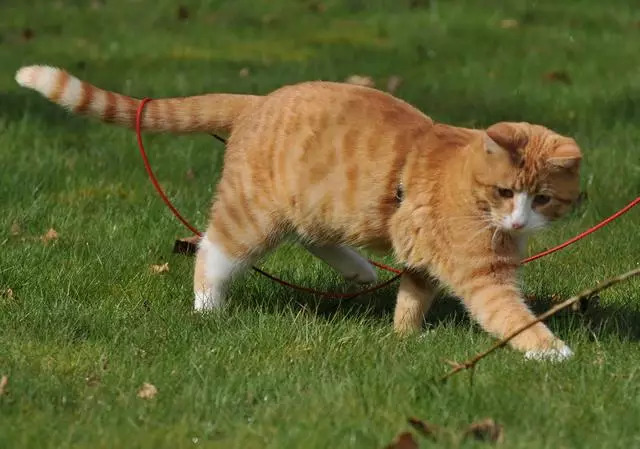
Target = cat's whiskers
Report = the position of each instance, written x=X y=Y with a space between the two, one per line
x=462 y=221
x=494 y=238
x=483 y=229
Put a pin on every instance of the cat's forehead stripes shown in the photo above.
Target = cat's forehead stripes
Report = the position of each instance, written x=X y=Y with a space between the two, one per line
x=533 y=167
x=528 y=181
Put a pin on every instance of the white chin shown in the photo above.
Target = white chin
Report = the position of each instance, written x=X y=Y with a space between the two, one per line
x=521 y=231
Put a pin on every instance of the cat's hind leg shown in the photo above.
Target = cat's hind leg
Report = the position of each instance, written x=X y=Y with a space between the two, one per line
x=214 y=268
x=348 y=262
x=231 y=244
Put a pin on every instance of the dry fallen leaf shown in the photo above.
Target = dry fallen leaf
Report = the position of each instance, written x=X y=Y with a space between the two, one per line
x=425 y=428
x=159 y=269
x=183 y=12
x=27 y=34
x=6 y=293
x=244 y=72
x=360 y=80
x=3 y=385
x=509 y=23
x=558 y=76
x=485 y=430
x=147 y=391
x=403 y=441
x=15 y=228
x=393 y=83
x=49 y=236
x=92 y=380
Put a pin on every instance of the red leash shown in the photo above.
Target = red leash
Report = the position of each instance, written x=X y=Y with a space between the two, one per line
x=582 y=235
x=152 y=177
x=398 y=273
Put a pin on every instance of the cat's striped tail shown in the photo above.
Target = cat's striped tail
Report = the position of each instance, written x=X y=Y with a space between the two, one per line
x=202 y=113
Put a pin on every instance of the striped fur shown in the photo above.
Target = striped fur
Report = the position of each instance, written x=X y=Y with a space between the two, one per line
x=203 y=113
x=328 y=162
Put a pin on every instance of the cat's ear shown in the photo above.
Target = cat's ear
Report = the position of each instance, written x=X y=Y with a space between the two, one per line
x=510 y=136
x=566 y=155
x=490 y=146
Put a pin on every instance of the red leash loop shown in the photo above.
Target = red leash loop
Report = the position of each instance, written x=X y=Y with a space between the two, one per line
x=147 y=166
x=398 y=272
x=193 y=229
x=582 y=235
x=331 y=294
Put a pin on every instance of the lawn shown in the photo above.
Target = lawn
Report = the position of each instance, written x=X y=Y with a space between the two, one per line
x=87 y=322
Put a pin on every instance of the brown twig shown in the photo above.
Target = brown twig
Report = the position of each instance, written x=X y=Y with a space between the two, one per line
x=457 y=367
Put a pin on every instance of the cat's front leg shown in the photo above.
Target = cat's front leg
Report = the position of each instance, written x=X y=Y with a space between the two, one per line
x=495 y=301
x=415 y=296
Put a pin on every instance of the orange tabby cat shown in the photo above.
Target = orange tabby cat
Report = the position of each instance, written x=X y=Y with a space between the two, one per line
x=340 y=165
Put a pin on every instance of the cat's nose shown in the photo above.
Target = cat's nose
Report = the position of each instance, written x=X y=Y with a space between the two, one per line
x=517 y=225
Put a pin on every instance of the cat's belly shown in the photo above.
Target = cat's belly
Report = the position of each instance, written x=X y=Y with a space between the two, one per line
x=326 y=223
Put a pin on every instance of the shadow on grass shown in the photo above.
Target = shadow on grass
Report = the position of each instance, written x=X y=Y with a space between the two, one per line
x=597 y=320
x=16 y=106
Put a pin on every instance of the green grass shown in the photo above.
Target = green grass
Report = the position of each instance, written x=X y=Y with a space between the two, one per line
x=88 y=323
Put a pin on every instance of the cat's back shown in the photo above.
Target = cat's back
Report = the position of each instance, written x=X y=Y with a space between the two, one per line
x=350 y=101
x=329 y=154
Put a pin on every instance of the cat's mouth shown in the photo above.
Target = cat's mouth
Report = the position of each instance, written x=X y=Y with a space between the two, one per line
x=507 y=225
x=518 y=230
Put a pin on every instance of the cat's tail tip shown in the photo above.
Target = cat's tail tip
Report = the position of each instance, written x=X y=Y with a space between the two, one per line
x=55 y=84
x=28 y=76
x=24 y=76
x=51 y=82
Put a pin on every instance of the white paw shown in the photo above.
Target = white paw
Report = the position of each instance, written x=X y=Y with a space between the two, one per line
x=365 y=274
x=206 y=300
x=551 y=355
x=346 y=261
x=359 y=270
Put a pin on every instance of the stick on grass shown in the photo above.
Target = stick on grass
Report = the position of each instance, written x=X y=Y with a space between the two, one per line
x=471 y=363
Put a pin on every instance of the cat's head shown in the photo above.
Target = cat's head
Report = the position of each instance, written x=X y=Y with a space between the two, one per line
x=525 y=175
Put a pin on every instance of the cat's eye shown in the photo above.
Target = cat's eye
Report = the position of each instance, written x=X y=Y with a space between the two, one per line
x=505 y=193
x=541 y=200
